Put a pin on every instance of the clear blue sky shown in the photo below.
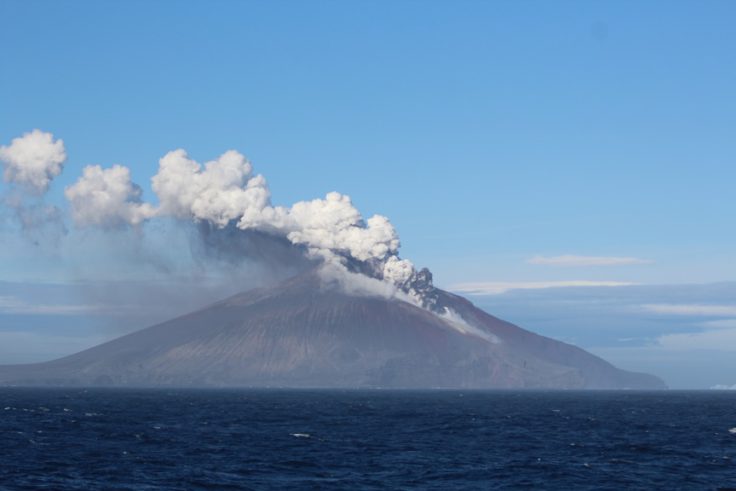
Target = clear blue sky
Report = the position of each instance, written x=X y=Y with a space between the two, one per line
x=489 y=132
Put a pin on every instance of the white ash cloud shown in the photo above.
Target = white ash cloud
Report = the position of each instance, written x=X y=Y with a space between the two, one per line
x=228 y=207
x=225 y=192
x=398 y=270
x=457 y=322
x=33 y=160
x=360 y=284
x=220 y=192
x=107 y=197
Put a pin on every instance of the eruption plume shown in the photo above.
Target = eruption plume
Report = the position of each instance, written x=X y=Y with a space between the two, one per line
x=33 y=160
x=333 y=319
x=107 y=197
x=30 y=163
x=225 y=193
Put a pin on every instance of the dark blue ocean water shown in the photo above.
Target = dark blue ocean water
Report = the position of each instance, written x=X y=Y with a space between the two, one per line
x=185 y=439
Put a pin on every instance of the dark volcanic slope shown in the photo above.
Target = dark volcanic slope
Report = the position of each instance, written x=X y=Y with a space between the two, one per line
x=305 y=334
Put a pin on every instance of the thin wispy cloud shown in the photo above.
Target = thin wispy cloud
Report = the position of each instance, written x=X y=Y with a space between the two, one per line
x=718 y=335
x=716 y=340
x=570 y=260
x=724 y=387
x=14 y=305
x=497 y=288
x=720 y=324
x=691 y=309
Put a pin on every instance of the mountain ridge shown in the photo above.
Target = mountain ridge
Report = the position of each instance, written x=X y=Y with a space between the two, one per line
x=308 y=332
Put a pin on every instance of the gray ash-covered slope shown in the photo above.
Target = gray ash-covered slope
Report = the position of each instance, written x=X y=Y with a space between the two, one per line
x=306 y=333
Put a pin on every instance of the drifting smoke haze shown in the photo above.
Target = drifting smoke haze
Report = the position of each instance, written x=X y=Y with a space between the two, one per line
x=226 y=208
x=30 y=162
x=33 y=160
x=107 y=198
x=358 y=315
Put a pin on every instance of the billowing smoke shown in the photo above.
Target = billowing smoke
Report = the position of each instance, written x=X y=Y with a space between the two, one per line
x=30 y=163
x=218 y=193
x=225 y=194
x=33 y=160
x=255 y=252
x=228 y=205
x=107 y=198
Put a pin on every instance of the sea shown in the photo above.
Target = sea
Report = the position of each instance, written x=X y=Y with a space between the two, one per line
x=120 y=439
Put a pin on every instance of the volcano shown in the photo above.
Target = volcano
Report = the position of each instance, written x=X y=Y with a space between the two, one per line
x=310 y=332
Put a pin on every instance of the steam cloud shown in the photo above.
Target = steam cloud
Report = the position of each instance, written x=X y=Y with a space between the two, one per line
x=224 y=194
x=107 y=197
x=33 y=160
x=30 y=163
x=225 y=190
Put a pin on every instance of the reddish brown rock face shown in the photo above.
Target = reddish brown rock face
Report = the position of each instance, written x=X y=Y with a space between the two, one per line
x=302 y=333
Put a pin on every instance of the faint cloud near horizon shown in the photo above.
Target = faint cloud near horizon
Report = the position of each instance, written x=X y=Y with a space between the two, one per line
x=15 y=305
x=689 y=351
x=497 y=288
x=710 y=339
x=703 y=310
x=572 y=260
